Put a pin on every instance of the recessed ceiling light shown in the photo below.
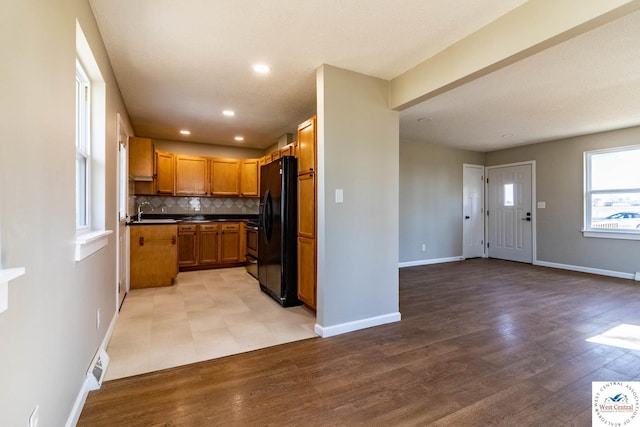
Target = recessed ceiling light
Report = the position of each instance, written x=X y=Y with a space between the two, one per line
x=261 y=68
x=185 y=132
x=229 y=113
x=239 y=138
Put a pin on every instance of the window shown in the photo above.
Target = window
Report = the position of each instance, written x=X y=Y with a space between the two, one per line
x=612 y=193
x=83 y=146
x=91 y=233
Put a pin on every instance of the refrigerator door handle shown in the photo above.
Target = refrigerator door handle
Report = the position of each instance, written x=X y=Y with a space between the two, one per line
x=267 y=218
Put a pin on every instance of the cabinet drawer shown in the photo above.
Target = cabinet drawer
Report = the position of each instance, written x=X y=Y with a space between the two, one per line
x=230 y=227
x=186 y=227
x=208 y=227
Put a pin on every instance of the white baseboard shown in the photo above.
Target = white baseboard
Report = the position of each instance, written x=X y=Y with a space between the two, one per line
x=74 y=416
x=343 y=328
x=429 y=261
x=581 y=269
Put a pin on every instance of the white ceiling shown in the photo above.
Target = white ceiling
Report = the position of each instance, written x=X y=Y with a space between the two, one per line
x=179 y=64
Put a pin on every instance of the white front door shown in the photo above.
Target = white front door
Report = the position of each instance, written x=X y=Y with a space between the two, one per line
x=509 y=213
x=472 y=211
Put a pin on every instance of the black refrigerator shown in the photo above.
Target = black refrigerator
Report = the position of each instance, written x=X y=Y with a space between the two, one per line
x=278 y=231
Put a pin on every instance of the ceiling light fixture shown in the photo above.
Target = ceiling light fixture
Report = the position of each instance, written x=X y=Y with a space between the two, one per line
x=424 y=119
x=229 y=113
x=185 y=132
x=507 y=135
x=239 y=138
x=261 y=68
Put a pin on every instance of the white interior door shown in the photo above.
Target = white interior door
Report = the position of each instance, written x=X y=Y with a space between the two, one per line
x=122 y=264
x=510 y=216
x=472 y=211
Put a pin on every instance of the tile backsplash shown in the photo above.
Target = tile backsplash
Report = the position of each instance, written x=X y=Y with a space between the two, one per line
x=197 y=205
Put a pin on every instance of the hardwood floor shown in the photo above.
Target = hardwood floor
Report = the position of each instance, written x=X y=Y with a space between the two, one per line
x=481 y=342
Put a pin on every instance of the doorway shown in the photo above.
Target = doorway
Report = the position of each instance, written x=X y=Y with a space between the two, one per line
x=122 y=263
x=473 y=211
x=510 y=216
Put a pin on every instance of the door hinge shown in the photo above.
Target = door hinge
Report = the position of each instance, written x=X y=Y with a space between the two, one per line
x=482 y=242
x=487 y=212
x=487 y=180
x=487 y=245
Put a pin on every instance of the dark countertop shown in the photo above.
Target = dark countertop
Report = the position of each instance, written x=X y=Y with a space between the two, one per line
x=193 y=218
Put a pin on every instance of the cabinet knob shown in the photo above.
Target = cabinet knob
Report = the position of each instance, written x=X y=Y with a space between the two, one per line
x=141 y=241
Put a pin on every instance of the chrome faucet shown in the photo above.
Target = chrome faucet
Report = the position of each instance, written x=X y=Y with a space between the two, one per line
x=140 y=209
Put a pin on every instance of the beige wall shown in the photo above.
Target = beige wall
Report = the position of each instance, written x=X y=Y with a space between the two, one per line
x=431 y=200
x=560 y=183
x=48 y=335
x=357 y=239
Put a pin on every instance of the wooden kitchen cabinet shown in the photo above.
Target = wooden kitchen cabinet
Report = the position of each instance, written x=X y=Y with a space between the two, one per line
x=230 y=243
x=141 y=159
x=154 y=255
x=249 y=178
x=210 y=245
x=307 y=206
x=191 y=176
x=306 y=146
x=225 y=177
x=165 y=173
x=187 y=245
x=208 y=237
x=307 y=271
x=307 y=190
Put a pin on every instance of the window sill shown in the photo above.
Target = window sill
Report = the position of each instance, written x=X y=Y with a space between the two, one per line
x=7 y=275
x=621 y=235
x=89 y=243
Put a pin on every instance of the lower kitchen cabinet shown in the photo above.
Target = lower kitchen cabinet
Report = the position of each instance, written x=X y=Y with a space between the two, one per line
x=154 y=256
x=307 y=271
x=210 y=245
x=187 y=245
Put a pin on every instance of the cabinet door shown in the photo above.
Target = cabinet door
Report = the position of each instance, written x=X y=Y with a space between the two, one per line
x=165 y=183
x=187 y=245
x=154 y=259
x=191 y=176
x=230 y=243
x=249 y=178
x=225 y=177
x=307 y=205
x=208 y=236
x=141 y=159
x=306 y=150
x=307 y=271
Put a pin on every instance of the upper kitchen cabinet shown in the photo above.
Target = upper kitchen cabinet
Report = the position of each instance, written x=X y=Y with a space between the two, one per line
x=191 y=176
x=165 y=173
x=141 y=159
x=306 y=146
x=225 y=177
x=249 y=178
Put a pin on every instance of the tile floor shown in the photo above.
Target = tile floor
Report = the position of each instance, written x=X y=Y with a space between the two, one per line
x=205 y=315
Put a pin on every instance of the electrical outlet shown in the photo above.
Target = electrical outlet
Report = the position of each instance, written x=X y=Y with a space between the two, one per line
x=98 y=319
x=424 y=247
x=35 y=417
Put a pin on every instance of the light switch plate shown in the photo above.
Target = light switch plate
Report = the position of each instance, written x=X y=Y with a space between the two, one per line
x=339 y=195
x=542 y=205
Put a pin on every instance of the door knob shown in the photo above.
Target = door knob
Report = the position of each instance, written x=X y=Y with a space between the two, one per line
x=526 y=219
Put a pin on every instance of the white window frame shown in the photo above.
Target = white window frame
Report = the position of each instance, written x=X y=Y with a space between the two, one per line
x=90 y=145
x=589 y=192
x=83 y=149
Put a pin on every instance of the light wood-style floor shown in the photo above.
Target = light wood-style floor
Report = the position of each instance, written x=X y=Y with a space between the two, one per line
x=481 y=342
